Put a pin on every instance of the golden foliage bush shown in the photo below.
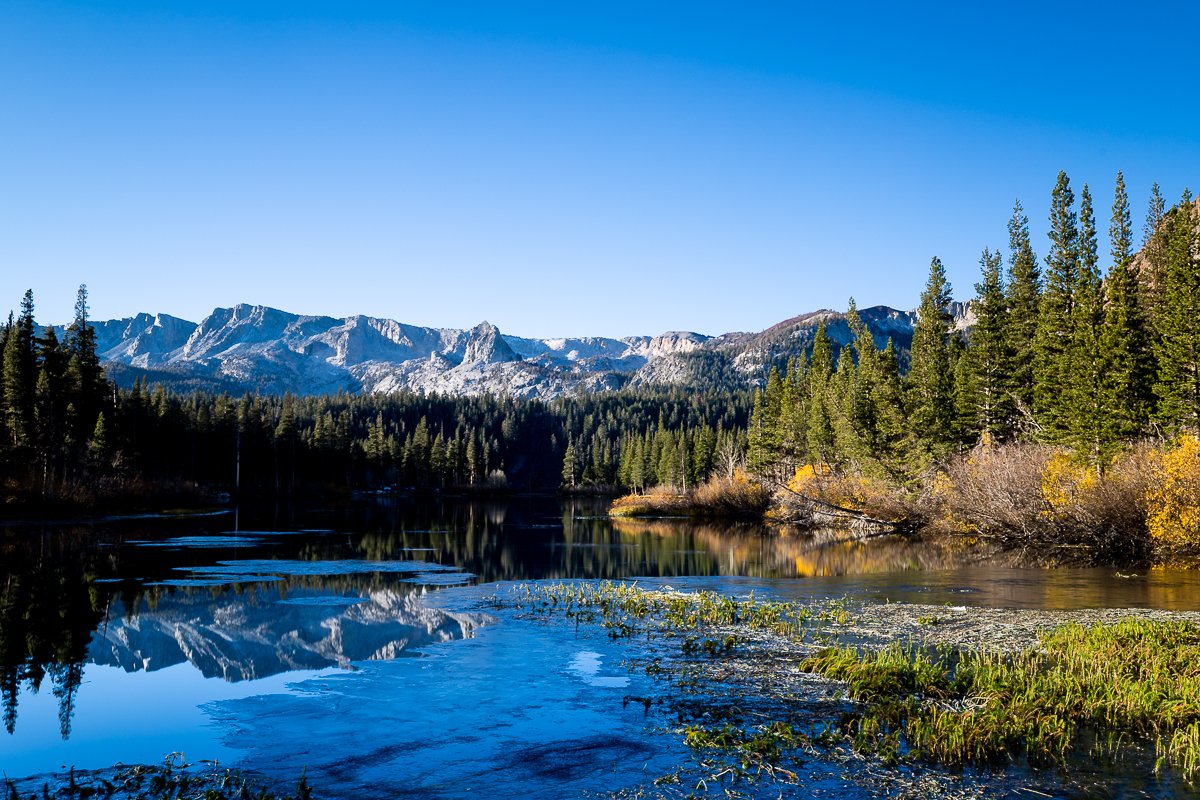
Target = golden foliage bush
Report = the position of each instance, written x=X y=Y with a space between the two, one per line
x=1173 y=501
x=857 y=492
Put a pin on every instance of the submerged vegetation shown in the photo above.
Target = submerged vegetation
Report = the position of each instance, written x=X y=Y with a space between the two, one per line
x=732 y=674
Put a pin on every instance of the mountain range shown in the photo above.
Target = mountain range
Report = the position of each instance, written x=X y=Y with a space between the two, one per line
x=260 y=349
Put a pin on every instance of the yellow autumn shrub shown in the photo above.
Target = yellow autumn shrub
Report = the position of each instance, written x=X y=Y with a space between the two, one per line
x=854 y=490
x=1174 y=500
x=809 y=477
x=1064 y=480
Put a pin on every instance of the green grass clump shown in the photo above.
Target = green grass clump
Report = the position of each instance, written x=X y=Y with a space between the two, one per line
x=624 y=610
x=1133 y=677
x=756 y=749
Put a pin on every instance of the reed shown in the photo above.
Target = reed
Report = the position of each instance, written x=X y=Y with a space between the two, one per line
x=1133 y=677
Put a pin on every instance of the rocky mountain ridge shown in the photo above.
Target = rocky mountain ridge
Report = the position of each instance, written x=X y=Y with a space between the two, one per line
x=258 y=348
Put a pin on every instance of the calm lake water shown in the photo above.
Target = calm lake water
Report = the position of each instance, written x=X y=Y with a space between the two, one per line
x=361 y=645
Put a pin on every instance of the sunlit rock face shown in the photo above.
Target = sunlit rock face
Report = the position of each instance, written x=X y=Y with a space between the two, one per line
x=273 y=630
x=264 y=349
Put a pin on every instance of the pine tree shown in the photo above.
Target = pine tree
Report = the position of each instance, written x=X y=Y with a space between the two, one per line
x=50 y=410
x=894 y=443
x=1152 y=266
x=87 y=376
x=819 y=425
x=1178 y=386
x=764 y=452
x=1052 y=342
x=1128 y=358
x=989 y=361
x=930 y=379
x=20 y=377
x=1087 y=414
x=1154 y=214
x=99 y=452
x=1023 y=297
x=792 y=414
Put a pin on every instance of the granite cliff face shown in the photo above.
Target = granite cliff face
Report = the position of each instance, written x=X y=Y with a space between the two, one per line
x=257 y=348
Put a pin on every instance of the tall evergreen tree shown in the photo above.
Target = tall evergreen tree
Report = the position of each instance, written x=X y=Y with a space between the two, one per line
x=989 y=361
x=1125 y=342
x=570 y=471
x=1154 y=214
x=1087 y=413
x=1178 y=386
x=87 y=376
x=51 y=407
x=1052 y=342
x=764 y=452
x=1152 y=266
x=1023 y=297
x=931 y=379
x=819 y=427
x=20 y=376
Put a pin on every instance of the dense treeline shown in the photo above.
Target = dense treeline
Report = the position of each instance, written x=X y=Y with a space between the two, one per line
x=69 y=434
x=53 y=420
x=1059 y=353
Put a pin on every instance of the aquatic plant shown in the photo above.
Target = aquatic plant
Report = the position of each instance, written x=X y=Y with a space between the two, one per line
x=625 y=609
x=1134 y=677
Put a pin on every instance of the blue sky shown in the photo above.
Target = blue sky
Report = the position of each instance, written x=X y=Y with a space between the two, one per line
x=563 y=168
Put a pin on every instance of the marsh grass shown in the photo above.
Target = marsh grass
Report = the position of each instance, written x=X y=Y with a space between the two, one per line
x=697 y=632
x=1134 y=677
x=625 y=610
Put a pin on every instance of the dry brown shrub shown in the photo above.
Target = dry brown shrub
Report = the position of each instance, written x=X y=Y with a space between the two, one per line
x=735 y=497
x=659 y=501
x=821 y=497
x=731 y=497
x=1037 y=498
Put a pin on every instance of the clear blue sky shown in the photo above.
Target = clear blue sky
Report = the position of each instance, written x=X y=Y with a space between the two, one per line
x=563 y=168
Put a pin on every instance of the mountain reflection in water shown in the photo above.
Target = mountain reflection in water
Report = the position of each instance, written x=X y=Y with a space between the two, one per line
x=273 y=631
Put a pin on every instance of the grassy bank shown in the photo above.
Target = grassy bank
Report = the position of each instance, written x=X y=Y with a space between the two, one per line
x=914 y=696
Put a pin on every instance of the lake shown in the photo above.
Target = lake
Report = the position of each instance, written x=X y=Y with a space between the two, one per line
x=364 y=645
